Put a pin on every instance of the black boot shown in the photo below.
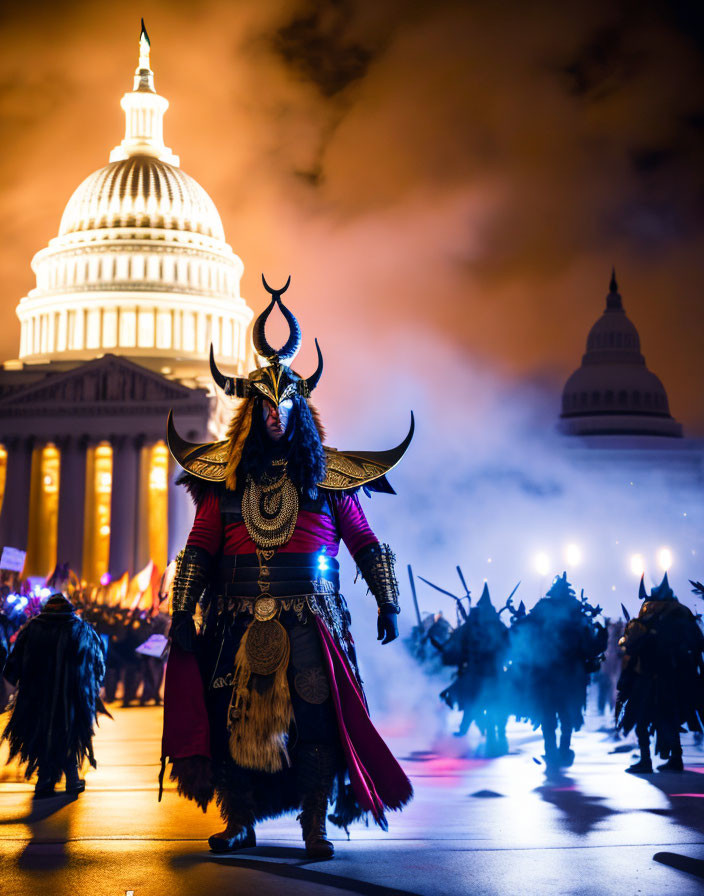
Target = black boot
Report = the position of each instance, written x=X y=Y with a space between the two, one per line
x=316 y=767
x=566 y=753
x=237 y=835
x=674 y=763
x=45 y=786
x=315 y=835
x=643 y=767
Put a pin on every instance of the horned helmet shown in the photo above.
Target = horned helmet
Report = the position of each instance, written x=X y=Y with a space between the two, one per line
x=663 y=591
x=275 y=381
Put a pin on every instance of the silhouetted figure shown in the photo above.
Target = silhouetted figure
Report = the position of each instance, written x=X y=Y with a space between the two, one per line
x=553 y=651
x=479 y=648
x=661 y=686
x=57 y=664
x=607 y=676
x=152 y=667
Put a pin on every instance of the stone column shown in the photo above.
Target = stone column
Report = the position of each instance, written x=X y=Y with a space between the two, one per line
x=123 y=505
x=14 y=516
x=181 y=511
x=141 y=543
x=72 y=498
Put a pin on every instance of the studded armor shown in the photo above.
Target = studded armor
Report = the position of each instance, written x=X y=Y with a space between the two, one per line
x=376 y=562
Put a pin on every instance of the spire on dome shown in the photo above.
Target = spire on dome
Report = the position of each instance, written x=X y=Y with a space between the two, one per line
x=144 y=113
x=144 y=76
x=613 y=300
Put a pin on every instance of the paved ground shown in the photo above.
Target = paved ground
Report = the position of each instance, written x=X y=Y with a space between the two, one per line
x=476 y=827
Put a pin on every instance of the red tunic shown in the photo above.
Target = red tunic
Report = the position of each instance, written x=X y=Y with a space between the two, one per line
x=313 y=530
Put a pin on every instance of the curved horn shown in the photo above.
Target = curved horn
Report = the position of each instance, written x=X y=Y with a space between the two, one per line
x=293 y=343
x=277 y=293
x=312 y=381
x=230 y=385
x=179 y=448
x=261 y=346
x=642 y=593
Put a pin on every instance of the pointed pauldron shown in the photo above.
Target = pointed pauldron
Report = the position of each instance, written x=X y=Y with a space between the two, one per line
x=345 y=469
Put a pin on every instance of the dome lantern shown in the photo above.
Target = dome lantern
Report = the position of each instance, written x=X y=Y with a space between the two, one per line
x=144 y=113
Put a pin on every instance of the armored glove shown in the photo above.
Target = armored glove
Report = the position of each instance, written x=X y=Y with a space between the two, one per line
x=386 y=624
x=376 y=563
x=192 y=571
x=183 y=630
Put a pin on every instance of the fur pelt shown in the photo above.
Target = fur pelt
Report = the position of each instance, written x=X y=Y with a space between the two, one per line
x=259 y=733
x=197 y=488
x=193 y=776
x=237 y=432
x=58 y=664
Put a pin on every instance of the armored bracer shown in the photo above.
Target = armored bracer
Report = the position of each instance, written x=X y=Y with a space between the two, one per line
x=192 y=575
x=376 y=564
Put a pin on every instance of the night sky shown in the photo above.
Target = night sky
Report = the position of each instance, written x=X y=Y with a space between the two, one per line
x=455 y=176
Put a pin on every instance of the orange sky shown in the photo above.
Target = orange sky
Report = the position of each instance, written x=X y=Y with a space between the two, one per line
x=465 y=173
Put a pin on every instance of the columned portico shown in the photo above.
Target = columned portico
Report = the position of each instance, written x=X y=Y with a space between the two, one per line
x=124 y=505
x=72 y=493
x=106 y=421
x=181 y=511
x=14 y=516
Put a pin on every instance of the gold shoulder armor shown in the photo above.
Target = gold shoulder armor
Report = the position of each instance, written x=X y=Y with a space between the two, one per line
x=207 y=460
x=352 y=469
x=345 y=469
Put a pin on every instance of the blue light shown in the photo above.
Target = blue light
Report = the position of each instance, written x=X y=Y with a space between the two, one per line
x=322 y=561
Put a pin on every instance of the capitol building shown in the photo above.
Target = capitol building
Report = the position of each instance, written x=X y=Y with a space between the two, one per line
x=616 y=413
x=129 y=296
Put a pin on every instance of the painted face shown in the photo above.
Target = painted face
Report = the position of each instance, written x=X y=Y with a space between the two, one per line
x=276 y=418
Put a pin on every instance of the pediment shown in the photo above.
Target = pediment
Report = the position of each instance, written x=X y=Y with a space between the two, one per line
x=106 y=381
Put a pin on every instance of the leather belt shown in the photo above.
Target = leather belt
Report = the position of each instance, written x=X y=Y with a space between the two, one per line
x=283 y=575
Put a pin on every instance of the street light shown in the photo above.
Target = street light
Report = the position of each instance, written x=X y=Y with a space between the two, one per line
x=637 y=565
x=664 y=559
x=542 y=563
x=573 y=554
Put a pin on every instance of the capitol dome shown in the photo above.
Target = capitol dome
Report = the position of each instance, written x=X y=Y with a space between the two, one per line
x=613 y=392
x=141 y=191
x=140 y=266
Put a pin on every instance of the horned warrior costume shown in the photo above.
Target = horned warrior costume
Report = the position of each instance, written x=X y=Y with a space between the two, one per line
x=554 y=649
x=661 y=687
x=479 y=649
x=264 y=707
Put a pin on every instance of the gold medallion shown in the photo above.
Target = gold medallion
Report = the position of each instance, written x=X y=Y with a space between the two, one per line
x=265 y=608
x=266 y=647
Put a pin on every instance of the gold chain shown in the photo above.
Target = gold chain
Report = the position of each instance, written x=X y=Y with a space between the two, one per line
x=270 y=508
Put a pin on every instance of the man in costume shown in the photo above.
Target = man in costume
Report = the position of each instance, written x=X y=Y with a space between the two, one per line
x=57 y=664
x=264 y=707
x=661 y=686
x=479 y=649
x=554 y=648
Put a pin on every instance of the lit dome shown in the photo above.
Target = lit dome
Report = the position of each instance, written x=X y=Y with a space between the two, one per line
x=613 y=392
x=141 y=191
x=140 y=266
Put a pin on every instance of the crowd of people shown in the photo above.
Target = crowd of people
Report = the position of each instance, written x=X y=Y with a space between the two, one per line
x=537 y=666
